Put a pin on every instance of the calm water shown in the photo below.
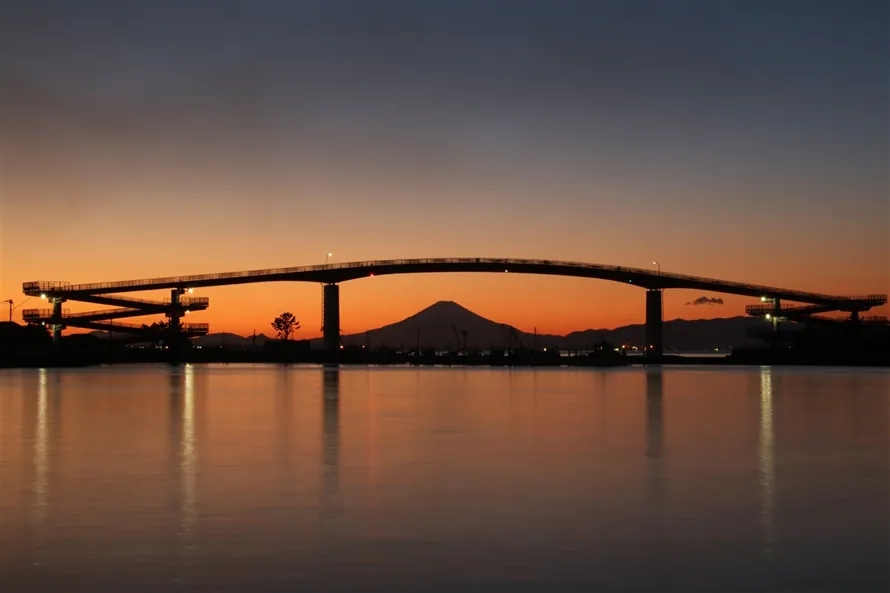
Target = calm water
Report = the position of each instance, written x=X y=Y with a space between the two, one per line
x=261 y=478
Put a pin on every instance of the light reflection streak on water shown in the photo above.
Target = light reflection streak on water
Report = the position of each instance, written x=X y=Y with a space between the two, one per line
x=331 y=434
x=765 y=457
x=187 y=453
x=41 y=450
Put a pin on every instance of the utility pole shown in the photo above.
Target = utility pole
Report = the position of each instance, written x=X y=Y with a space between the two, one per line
x=10 y=308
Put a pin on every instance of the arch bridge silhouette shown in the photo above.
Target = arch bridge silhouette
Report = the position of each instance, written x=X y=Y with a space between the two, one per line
x=331 y=275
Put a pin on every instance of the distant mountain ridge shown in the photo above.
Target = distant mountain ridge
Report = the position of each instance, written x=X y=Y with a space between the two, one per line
x=223 y=339
x=442 y=325
x=448 y=325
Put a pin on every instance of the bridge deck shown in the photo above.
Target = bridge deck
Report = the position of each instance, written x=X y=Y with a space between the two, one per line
x=341 y=272
x=186 y=329
x=799 y=310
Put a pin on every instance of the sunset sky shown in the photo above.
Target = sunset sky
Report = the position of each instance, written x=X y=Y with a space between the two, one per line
x=738 y=140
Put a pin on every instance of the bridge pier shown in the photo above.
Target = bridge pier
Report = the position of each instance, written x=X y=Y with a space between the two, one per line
x=654 y=323
x=175 y=312
x=174 y=343
x=331 y=328
x=776 y=319
x=57 y=326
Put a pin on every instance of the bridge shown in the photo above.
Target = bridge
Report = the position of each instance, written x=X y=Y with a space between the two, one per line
x=331 y=275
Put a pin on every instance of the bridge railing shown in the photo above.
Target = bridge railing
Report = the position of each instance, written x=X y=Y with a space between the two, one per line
x=47 y=314
x=40 y=314
x=185 y=301
x=874 y=318
x=112 y=324
x=879 y=299
x=156 y=302
x=100 y=313
x=45 y=286
x=762 y=309
x=651 y=275
x=192 y=301
x=765 y=290
x=862 y=319
x=186 y=280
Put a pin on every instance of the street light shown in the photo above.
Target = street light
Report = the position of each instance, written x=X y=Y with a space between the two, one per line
x=327 y=255
x=657 y=265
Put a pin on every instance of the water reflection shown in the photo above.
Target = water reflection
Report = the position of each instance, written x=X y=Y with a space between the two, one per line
x=41 y=448
x=448 y=489
x=654 y=413
x=45 y=421
x=655 y=470
x=766 y=462
x=183 y=446
x=331 y=431
x=283 y=416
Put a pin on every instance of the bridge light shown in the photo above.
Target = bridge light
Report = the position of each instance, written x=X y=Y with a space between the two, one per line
x=191 y=290
x=768 y=316
x=43 y=296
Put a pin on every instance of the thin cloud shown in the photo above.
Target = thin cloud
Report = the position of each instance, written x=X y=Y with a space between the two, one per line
x=703 y=300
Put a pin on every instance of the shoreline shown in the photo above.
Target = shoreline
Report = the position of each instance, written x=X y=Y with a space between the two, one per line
x=525 y=360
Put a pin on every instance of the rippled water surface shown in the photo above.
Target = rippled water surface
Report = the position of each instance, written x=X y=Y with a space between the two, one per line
x=267 y=478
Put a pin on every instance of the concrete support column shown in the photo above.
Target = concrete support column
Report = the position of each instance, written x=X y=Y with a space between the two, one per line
x=776 y=318
x=174 y=336
x=331 y=329
x=57 y=325
x=175 y=312
x=654 y=340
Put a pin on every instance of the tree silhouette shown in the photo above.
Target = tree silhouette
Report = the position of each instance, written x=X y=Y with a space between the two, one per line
x=158 y=331
x=285 y=325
